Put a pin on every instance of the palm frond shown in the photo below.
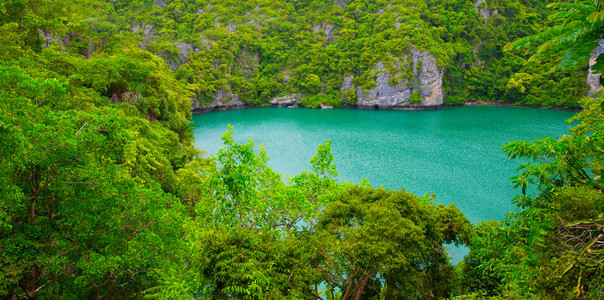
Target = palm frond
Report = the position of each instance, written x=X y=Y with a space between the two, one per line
x=579 y=53
x=581 y=23
x=598 y=67
x=581 y=7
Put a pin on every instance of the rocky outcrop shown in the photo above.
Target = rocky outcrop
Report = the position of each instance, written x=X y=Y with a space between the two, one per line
x=430 y=78
x=160 y=3
x=184 y=49
x=327 y=29
x=245 y=65
x=476 y=50
x=289 y=100
x=347 y=84
x=182 y=56
x=426 y=82
x=64 y=41
x=206 y=43
x=324 y=106
x=397 y=22
x=225 y=99
x=231 y=27
x=483 y=10
x=50 y=38
x=593 y=80
x=146 y=31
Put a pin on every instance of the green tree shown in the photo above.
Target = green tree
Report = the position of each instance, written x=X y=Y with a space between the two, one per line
x=311 y=84
x=415 y=98
x=240 y=190
x=74 y=223
x=579 y=25
x=519 y=82
x=373 y=242
x=551 y=247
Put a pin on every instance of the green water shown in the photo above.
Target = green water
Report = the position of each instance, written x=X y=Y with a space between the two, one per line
x=453 y=152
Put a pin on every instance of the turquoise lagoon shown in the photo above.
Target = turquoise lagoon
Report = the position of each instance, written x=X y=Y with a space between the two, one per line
x=454 y=153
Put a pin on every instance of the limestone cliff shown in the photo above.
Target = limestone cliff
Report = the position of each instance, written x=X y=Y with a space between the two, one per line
x=223 y=99
x=65 y=40
x=289 y=100
x=174 y=60
x=593 y=80
x=245 y=65
x=426 y=81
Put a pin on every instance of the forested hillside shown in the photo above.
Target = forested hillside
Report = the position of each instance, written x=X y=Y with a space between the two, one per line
x=102 y=194
x=333 y=52
x=365 y=53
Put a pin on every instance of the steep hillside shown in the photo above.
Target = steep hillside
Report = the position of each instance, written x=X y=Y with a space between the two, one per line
x=407 y=53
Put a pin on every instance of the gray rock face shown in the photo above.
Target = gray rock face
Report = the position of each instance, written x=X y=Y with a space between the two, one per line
x=430 y=78
x=206 y=43
x=323 y=106
x=248 y=63
x=223 y=99
x=51 y=38
x=328 y=29
x=183 y=56
x=288 y=100
x=231 y=27
x=476 y=50
x=347 y=83
x=48 y=38
x=593 y=80
x=147 y=29
x=426 y=81
x=90 y=47
x=341 y=3
x=254 y=22
x=160 y=3
x=384 y=95
x=286 y=75
x=184 y=49
x=147 y=33
x=483 y=10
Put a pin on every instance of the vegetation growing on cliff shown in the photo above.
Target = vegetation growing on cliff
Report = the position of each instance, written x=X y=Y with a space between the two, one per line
x=255 y=51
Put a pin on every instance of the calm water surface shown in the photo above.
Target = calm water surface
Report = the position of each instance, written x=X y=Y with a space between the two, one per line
x=453 y=152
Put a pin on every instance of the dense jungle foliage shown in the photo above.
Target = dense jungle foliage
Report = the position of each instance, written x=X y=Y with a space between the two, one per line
x=259 y=50
x=102 y=194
